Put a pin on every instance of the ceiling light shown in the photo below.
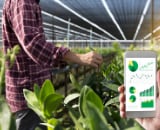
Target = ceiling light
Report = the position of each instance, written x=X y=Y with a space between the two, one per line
x=113 y=18
x=142 y=18
x=84 y=19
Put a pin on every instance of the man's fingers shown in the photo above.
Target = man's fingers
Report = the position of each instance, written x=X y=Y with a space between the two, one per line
x=139 y=120
x=98 y=59
x=122 y=98
x=158 y=78
x=122 y=107
x=94 y=59
x=122 y=101
x=121 y=89
x=123 y=114
x=158 y=81
x=122 y=110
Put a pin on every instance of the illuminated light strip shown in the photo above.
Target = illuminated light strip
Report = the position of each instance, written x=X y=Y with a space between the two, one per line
x=51 y=31
x=113 y=18
x=57 y=34
x=142 y=18
x=55 y=26
x=55 y=31
x=154 y=31
x=51 y=34
x=64 y=29
x=147 y=36
x=72 y=31
x=83 y=18
x=72 y=24
x=60 y=32
x=157 y=29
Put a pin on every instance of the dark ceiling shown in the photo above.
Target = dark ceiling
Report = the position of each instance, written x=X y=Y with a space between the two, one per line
x=92 y=15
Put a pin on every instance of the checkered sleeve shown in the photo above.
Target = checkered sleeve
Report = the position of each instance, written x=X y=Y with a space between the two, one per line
x=27 y=25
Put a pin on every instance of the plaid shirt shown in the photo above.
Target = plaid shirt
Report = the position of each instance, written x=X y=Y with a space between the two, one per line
x=22 y=24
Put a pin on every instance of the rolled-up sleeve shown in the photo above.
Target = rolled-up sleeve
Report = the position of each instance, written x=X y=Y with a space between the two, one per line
x=27 y=25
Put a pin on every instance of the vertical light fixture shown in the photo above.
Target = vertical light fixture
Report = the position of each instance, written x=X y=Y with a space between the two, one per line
x=142 y=18
x=152 y=26
x=68 y=32
x=152 y=20
x=113 y=18
x=91 y=37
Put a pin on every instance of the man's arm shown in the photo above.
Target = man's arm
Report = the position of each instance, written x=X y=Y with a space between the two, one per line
x=27 y=25
x=91 y=58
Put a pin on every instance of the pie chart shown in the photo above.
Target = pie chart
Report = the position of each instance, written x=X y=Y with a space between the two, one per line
x=132 y=99
x=133 y=65
x=132 y=90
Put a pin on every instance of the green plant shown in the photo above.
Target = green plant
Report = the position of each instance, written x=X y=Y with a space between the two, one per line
x=45 y=102
x=90 y=111
x=91 y=104
x=10 y=56
x=105 y=83
x=7 y=122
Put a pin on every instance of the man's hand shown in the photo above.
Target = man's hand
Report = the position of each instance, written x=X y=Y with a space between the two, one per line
x=91 y=58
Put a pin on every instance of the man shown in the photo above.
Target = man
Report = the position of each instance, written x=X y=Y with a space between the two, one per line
x=22 y=25
x=146 y=123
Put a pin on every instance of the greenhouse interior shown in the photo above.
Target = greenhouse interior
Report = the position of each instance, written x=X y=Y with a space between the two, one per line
x=82 y=97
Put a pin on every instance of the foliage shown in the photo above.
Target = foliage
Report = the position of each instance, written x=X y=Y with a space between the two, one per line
x=45 y=102
x=107 y=90
x=90 y=110
x=105 y=83
x=10 y=56
x=7 y=122
x=92 y=103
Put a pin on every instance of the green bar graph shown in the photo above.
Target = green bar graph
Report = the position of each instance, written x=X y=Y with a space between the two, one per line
x=147 y=104
x=147 y=92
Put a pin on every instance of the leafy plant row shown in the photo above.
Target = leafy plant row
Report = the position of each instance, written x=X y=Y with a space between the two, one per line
x=92 y=103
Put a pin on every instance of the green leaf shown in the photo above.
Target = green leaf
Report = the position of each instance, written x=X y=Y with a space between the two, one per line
x=95 y=99
x=37 y=90
x=113 y=100
x=82 y=101
x=120 y=79
x=16 y=49
x=87 y=94
x=52 y=102
x=12 y=123
x=111 y=86
x=12 y=59
x=30 y=97
x=6 y=122
x=2 y=75
x=74 y=82
x=32 y=102
x=51 y=123
x=47 y=89
x=96 y=118
x=76 y=122
x=71 y=97
x=134 y=128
